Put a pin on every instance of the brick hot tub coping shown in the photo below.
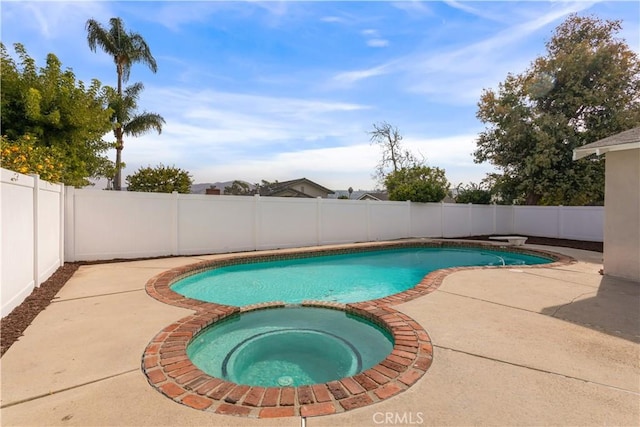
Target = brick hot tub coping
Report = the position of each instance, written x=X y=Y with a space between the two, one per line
x=168 y=368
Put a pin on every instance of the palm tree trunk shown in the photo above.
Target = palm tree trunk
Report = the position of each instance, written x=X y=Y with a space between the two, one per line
x=119 y=71
x=117 y=180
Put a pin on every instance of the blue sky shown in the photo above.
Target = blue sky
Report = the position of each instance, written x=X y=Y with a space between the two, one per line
x=280 y=90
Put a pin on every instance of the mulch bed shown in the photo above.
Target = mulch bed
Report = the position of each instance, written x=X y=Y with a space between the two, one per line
x=14 y=324
x=565 y=243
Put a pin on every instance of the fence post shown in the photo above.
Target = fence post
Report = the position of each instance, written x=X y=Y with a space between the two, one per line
x=470 y=219
x=175 y=223
x=368 y=202
x=70 y=224
x=61 y=201
x=319 y=220
x=36 y=216
x=441 y=219
x=559 y=229
x=256 y=220
x=495 y=218
x=408 y=234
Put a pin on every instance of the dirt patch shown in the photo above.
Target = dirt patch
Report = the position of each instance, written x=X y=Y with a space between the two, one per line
x=14 y=324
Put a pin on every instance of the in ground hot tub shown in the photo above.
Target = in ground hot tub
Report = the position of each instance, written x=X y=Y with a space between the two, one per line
x=289 y=346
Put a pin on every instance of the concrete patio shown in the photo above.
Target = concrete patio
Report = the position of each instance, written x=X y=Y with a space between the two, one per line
x=530 y=346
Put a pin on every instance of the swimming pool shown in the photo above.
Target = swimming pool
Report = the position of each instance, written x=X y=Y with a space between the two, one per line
x=344 y=278
x=173 y=366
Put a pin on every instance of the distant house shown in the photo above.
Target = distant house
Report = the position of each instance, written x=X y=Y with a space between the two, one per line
x=360 y=195
x=378 y=195
x=302 y=187
x=621 y=201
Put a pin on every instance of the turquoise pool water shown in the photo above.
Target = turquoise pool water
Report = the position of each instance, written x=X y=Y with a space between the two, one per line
x=343 y=278
x=289 y=346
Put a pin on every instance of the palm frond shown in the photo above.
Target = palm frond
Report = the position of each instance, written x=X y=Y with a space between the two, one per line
x=133 y=91
x=142 y=53
x=98 y=36
x=143 y=123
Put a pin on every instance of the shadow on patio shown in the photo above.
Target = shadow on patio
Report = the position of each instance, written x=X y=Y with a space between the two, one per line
x=615 y=310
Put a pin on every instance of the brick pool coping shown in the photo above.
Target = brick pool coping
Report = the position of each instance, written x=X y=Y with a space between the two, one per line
x=170 y=371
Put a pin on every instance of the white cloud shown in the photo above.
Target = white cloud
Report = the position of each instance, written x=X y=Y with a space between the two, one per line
x=378 y=43
x=454 y=150
x=274 y=7
x=414 y=7
x=350 y=77
x=333 y=19
x=51 y=20
x=454 y=154
x=207 y=125
x=457 y=76
x=335 y=167
x=207 y=105
x=340 y=167
x=464 y=6
x=220 y=136
x=373 y=38
x=175 y=15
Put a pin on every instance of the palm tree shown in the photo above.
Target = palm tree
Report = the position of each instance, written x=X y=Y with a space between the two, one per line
x=126 y=121
x=126 y=48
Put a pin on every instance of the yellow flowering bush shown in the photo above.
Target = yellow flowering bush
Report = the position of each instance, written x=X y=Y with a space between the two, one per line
x=24 y=156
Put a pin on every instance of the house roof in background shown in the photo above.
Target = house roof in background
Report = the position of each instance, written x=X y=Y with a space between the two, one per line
x=279 y=187
x=373 y=195
x=627 y=140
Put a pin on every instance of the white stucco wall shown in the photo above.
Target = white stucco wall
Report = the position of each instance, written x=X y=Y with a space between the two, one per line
x=622 y=215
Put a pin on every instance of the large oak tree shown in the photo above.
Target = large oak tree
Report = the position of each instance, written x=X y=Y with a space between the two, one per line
x=586 y=87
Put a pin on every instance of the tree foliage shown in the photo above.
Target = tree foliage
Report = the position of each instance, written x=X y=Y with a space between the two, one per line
x=585 y=88
x=238 y=188
x=265 y=187
x=474 y=193
x=126 y=48
x=52 y=111
x=160 y=179
x=25 y=156
x=394 y=155
x=418 y=184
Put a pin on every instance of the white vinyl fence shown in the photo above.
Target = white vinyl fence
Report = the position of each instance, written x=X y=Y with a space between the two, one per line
x=106 y=225
x=44 y=224
x=32 y=220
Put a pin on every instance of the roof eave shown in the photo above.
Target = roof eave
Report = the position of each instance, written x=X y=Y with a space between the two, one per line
x=579 y=153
